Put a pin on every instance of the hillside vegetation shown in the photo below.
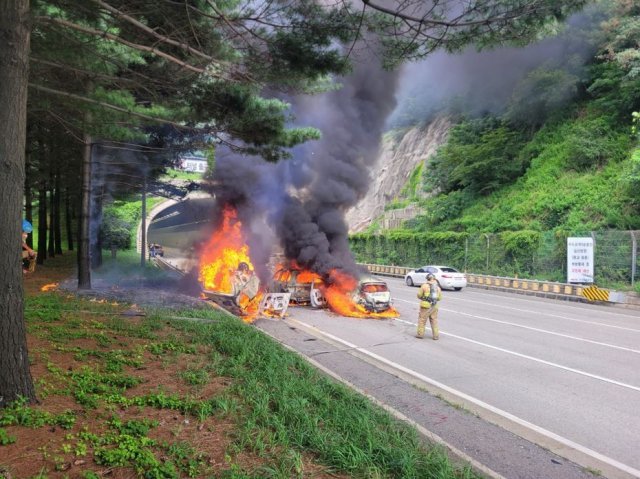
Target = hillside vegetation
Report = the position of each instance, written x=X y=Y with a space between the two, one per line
x=575 y=174
x=561 y=159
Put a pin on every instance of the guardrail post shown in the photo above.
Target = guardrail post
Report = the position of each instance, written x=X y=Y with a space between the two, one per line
x=634 y=253
x=466 y=253
x=487 y=270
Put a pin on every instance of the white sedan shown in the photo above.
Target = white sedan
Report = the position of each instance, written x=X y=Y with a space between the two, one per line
x=448 y=278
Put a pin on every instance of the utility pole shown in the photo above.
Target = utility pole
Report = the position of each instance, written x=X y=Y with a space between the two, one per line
x=143 y=235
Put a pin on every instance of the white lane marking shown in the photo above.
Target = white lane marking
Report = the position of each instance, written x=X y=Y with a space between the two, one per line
x=538 y=313
x=594 y=309
x=470 y=290
x=538 y=360
x=548 y=363
x=583 y=309
x=549 y=314
x=480 y=403
x=405 y=301
x=622 y=348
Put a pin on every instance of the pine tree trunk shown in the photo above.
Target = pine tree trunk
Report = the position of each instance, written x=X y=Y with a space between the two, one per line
x=51 y=248
x=68 y=219
x=42 y=224
x=15 y=376
x=57 y=229
x=84 y=259
x=28 y=205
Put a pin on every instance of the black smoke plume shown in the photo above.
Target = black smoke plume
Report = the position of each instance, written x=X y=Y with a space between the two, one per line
x=303 y=200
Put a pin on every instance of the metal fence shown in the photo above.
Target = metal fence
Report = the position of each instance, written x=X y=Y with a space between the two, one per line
x=615 y=255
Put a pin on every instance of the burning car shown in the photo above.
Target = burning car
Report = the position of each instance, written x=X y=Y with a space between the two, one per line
x=373 y=294
x=304 y=286
x=227 y=277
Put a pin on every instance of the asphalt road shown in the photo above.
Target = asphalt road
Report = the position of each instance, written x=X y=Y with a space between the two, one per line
x=564 y=375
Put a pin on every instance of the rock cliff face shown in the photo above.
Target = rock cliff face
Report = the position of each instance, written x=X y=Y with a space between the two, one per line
x=396 y=160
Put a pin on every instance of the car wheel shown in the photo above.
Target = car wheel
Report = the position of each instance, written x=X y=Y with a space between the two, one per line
x=457 y=289
x=409 y=281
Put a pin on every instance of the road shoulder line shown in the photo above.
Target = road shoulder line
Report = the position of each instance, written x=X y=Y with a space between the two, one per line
x=555 y=443
x=397 y=414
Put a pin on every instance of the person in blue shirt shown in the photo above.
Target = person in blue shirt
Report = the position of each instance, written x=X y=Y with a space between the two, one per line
x=28 y=254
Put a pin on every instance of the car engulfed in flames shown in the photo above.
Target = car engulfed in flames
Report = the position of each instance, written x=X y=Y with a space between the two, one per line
x=228 y=278
x=363 y=297
x=304 y=286
x=222 y=281
x=373 y=294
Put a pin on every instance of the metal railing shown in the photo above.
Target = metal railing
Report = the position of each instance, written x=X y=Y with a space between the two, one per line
x=553 y=289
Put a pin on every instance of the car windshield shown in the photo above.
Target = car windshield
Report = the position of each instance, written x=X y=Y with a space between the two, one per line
x=449 y=270
x=374 y=288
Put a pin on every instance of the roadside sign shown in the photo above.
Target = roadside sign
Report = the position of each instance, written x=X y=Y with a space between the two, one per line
x=580 y=260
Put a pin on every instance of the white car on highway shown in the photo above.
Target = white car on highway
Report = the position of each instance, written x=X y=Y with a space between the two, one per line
x=447 y=277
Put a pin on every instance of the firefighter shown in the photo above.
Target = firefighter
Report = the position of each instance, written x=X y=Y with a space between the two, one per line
x=429 y=295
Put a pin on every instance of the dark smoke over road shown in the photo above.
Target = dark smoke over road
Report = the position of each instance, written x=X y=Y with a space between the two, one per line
x=304 y=199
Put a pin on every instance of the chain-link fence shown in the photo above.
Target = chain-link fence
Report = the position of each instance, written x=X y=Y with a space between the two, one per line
x=523 y=254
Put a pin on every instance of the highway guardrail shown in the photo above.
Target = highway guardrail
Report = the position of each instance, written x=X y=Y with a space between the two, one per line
x=568 y=291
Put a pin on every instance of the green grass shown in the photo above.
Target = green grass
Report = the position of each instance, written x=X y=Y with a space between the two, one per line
x=288 y=406
x=284 y=411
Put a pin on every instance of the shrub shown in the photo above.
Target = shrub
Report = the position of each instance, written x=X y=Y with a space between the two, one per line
x=592 y=143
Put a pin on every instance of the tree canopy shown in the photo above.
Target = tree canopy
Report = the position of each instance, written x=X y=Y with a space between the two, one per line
x=108 y=69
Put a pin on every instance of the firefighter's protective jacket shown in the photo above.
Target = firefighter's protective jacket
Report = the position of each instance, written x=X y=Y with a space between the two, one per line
x=427 y=297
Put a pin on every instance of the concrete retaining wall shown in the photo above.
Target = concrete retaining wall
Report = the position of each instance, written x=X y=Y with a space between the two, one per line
x=150 y=215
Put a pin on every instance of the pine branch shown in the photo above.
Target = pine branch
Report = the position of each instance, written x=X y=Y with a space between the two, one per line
x=82 y=71
x=152 y=32
x=457 y=22
x=115 y=38
x=108 y=105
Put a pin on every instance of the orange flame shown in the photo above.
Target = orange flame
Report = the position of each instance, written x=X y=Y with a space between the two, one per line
x=49 y=287
x=339 y=295
x=225 y=250
x=283 y=273
x=220 y=258
x=307 y=276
